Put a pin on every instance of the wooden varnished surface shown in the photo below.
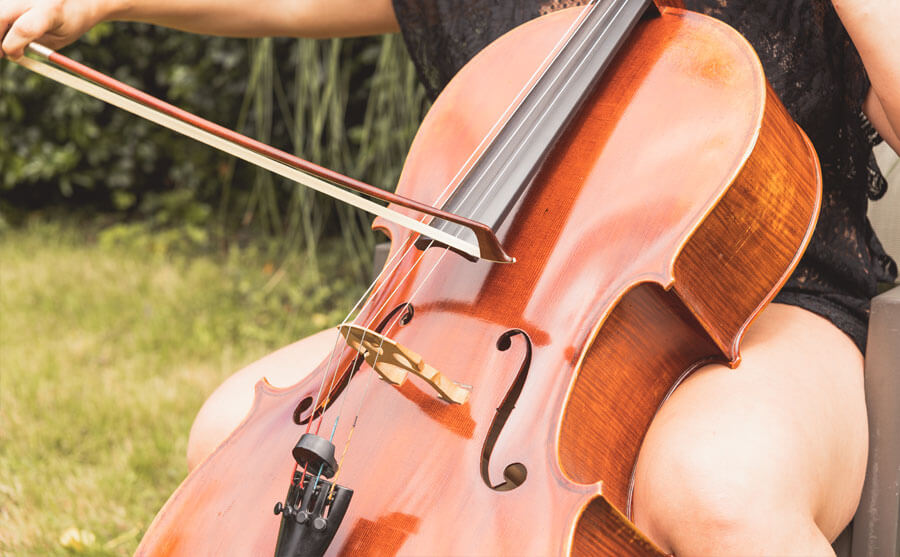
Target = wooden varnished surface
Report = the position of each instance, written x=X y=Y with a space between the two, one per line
x=654 y=151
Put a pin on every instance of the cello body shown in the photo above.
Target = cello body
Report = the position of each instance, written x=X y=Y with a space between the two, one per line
x=669 y=213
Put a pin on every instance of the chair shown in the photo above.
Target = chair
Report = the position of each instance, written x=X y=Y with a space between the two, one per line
x=875 y=530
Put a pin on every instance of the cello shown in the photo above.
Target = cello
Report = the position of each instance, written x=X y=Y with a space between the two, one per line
x=655 y=224
x=655 y=195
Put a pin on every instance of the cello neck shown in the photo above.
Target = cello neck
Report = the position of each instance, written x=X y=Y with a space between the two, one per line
x=499 y=177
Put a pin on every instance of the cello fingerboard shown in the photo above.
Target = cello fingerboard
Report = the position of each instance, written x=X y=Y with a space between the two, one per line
x=503 y=172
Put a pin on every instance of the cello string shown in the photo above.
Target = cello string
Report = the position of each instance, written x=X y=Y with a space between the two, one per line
x=362 y=340
x=315 y=405
x=389 y=327
x=364 y=396
x=567 y=36
x=577 y=23
x=331 y=355
x=367 y=387
x=456 y=181
x=436 y=264
x=355 y=307
x=541 y=102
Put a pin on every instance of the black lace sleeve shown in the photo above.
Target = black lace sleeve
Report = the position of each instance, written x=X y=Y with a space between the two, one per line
x=442 y=35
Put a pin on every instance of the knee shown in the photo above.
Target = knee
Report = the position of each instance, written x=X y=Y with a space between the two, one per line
x=223 y=411
x=701 y=502
x=688 y=491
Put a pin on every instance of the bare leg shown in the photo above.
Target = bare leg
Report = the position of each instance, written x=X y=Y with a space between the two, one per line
x=226 y=408
x=767 y=459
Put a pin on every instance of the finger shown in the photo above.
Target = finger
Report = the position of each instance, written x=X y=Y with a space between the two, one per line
x=28 y=28
x=9 y=12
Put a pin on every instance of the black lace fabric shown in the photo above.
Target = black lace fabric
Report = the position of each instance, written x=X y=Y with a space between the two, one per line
x=812 y=65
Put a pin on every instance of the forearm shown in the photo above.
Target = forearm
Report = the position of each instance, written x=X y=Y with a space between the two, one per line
x=874 y=27
x=57 y=23
x=260 y=18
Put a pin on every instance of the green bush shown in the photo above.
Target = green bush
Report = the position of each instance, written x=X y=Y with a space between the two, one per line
x=350 y=105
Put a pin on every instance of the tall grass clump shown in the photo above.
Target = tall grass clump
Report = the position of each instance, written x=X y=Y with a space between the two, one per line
x=349 y=105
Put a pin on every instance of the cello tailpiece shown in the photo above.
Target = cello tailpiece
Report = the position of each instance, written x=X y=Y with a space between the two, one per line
x=314 y=507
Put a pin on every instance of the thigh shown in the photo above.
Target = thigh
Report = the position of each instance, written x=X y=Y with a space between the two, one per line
x=229 y=403
x=750 y=454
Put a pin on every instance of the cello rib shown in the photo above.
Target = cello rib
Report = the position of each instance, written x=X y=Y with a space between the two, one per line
x=725 y=274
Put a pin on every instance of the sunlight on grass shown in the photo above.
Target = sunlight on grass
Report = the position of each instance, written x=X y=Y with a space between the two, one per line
x=106 y=354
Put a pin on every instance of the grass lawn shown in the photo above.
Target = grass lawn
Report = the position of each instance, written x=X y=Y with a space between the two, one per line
x=107 y=350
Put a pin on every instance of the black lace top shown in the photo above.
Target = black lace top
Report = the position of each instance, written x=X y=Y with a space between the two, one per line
x=814 y=68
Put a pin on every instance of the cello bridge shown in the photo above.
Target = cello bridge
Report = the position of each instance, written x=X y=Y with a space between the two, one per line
x=393 y=362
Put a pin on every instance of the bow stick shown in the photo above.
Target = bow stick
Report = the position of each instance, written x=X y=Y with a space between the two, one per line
x=116 y=93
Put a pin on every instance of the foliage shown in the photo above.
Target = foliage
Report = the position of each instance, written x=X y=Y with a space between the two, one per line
x=108 y=349
x=350 y=105
x=59 y=145
x=130 y=316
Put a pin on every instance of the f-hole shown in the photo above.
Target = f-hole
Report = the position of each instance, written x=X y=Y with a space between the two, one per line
x=514 y=474
x=408 y=312
x=302 y=415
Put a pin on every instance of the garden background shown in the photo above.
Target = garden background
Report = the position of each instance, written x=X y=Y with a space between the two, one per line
x=139 y=269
